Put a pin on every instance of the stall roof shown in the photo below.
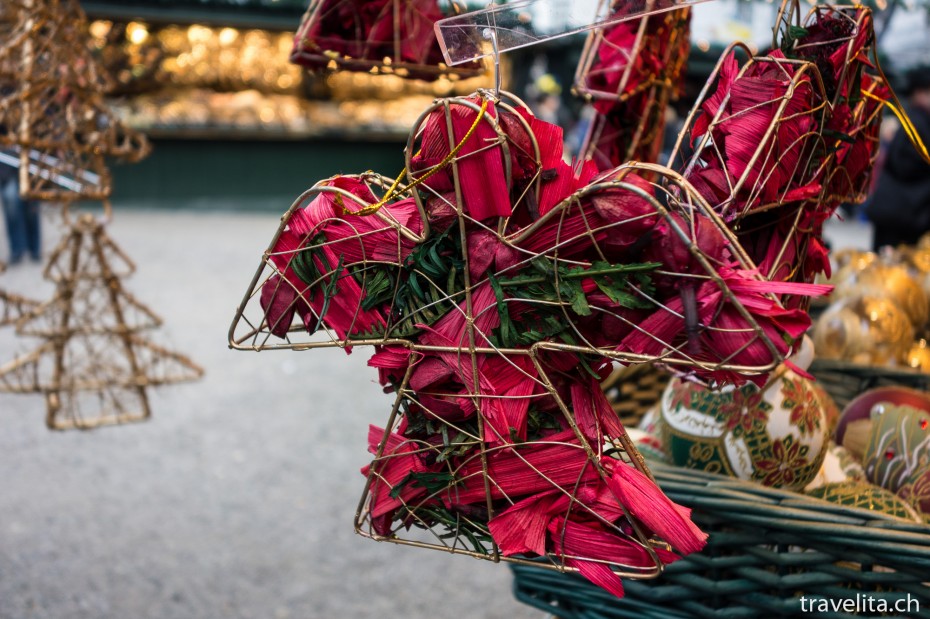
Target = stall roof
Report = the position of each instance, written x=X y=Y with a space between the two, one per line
x=266 y=14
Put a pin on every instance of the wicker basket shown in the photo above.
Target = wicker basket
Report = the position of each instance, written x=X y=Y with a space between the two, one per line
x=633 y=390
x=767 y=549
x=844 y=380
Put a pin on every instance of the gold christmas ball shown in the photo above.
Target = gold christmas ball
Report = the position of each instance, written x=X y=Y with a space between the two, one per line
x=917 y=262
x=918 y=357
x=839 y=332
x=917 y=258
x=892 y=282
x=866 y=330
x=847 y=263
x=863 y=495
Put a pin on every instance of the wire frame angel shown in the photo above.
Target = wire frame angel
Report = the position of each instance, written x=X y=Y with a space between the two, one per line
x=781 y=141
x=630 y=71
x=52 y=111
x=497 y=285
x=840 y=40
x=93 y=365
x=393 y=37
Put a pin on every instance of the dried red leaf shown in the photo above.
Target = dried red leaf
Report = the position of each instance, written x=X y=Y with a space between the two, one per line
x=647 y=503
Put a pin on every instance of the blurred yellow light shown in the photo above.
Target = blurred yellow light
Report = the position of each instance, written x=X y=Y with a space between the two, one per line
x=198 y=34
x=228 y=36
x=100 y=28
x=136 y=32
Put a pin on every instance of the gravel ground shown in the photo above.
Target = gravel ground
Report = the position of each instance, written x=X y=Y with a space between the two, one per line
x=236 y=500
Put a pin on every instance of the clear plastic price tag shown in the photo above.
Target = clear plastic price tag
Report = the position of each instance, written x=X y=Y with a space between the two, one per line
x=504 y=27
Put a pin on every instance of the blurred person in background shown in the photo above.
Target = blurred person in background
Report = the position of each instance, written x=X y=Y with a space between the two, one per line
x=899 y=207
x=22 y=217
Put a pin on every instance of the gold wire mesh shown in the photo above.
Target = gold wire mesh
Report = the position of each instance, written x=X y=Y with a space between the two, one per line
x=781 y=126
x=92 y=364
x=781 y=141
x=393 y=37
x=630 y=72
x=442 y=200
x=494 y=330
x=13 y=306
x=51 y=103
x=855 y=92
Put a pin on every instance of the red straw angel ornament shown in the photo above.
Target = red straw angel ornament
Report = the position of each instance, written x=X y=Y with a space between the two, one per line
x=630 y=71
x=497 y=283
x=785 y=138
x=381 y=36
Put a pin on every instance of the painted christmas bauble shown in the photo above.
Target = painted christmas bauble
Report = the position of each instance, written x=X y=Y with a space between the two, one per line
x=830 y=410
x=897 y=456
x=866 y=330
x=776 y=435
x=872 y=403
x=649 y=445
x=863 y=495
x=838 y=466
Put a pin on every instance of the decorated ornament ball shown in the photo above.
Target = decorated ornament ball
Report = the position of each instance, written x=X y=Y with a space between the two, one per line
x=897 y=456
x=864 y=495
x=892 y=282
x=870 y=330
x=775 y=435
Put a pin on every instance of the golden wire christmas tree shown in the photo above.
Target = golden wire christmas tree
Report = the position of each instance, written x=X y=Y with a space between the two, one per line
x=93 y=365
x=52 y=113
x=13 y=306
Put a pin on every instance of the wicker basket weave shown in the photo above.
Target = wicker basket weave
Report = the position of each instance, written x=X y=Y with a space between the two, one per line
x=633 y=390
x=767 y=549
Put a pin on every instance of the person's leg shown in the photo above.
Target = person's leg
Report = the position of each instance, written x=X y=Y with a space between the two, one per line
x=32 y=216
x=15 y=219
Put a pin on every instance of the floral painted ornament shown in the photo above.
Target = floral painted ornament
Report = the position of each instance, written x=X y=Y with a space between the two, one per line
x=775 y=434
x=497 y=283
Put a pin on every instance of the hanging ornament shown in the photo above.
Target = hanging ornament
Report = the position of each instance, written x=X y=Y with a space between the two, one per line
x=630 y=71
x=57 y=124
x=497 y=283
x=391 y=37
x=776 y=435
x=93 y=365
x=780 y=140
